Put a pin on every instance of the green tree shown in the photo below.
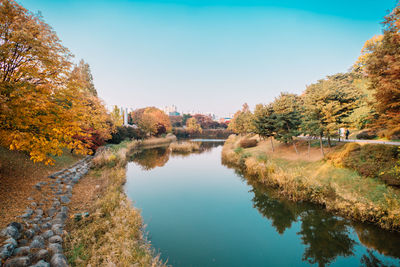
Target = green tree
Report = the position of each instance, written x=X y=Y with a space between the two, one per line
x=265 y=122
x=287 y=108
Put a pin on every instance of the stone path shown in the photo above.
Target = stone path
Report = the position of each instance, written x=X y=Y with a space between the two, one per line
x=37 y=240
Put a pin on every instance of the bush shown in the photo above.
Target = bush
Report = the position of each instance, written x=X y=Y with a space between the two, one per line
x=366 y=135
x=123 y=132
x=246 y=143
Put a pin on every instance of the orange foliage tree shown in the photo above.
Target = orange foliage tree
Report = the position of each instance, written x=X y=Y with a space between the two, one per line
x=151 y=120
x=41 y=109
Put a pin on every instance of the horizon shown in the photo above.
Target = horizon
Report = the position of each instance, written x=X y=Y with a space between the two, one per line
x=198 y=55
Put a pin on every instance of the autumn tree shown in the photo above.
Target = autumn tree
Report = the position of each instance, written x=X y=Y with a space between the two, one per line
x=328 y=104
x=44 y=106
x=383 y=70
x=151 y=120
x=117 y=116
x=193 y=126
x=33 y=65
x=88 y=110
x=265 y=122
x=242 y=121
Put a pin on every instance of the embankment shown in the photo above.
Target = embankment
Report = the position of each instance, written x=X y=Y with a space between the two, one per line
x=112 y=234
x=318 y=180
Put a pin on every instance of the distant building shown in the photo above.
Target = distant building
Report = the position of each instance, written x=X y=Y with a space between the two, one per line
x=171 y=110
x=225 y=120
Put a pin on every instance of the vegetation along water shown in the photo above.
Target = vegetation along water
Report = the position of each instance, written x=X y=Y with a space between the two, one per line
x=199 y=212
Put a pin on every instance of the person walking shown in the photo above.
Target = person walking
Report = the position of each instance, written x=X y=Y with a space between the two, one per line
x=347 y=134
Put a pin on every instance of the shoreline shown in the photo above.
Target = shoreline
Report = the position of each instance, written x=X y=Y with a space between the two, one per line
x=114 y=220
x=338 y=190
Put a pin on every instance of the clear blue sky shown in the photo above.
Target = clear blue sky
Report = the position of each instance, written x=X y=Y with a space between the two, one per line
x=211 y=55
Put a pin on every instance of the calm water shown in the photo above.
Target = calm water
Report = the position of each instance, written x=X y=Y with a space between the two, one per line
x=201 y=213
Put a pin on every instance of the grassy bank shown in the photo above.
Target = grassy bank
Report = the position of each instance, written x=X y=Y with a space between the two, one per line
x=113 y=233
x=309 y=178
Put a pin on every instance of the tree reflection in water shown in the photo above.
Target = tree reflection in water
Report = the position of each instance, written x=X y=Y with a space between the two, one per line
x=326 y=236
x=150 y=158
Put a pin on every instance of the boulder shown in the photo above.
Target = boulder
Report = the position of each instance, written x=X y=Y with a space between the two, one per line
x=58 y=260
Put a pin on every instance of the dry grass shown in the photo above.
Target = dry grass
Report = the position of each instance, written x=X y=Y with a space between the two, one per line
x=113 y=234
x=338 y=189
x=186 y=147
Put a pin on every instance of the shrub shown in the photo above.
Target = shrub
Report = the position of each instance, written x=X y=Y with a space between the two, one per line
x=123 y=132
x=246 y=143
x=366 y=135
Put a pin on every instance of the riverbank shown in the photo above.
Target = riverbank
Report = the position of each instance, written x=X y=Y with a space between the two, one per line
x=309 y=177
x=113 y=231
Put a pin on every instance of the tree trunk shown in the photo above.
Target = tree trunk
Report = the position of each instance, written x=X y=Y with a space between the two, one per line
x=295 y=148
x=329 y=140
x=322 y=148
x=272 y=144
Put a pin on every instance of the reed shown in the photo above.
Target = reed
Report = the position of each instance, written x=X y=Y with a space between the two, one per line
x=186 y=147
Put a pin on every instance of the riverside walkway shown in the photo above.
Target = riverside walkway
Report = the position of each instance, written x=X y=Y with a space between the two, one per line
x=356 y=141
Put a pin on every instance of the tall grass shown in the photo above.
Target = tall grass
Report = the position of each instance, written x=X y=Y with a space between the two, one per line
x=185 y=147
x=338 y=189
x=113 y=234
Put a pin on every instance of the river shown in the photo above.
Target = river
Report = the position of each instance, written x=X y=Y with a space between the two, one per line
x=198 y=212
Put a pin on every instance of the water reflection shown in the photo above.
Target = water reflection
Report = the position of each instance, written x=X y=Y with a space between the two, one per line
x=326 y=238
x=151 y=158
x=325 y=235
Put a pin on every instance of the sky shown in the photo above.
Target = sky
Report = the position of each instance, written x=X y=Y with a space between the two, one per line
x=211 y=56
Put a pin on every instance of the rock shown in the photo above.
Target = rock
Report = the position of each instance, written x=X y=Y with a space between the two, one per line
x=55 y=239
x=38 y=242
x=22 y=242
x=41 y=255
x=6 y=251
x=30 y=198
x=18 y=262
x=34 y=204
x=47 y=234
x=38 y=186
x=55 y=248
x=51 y=211
x=64 y=209
x=56 y=203
x=27 y=214
x=61 y=216
x=39 y=212
x=10 y=231
x=45 y=226
x=41 y=263
x=58 y=260
x=16 y=225
x=64 y=199
x=57 y=229
x=35 y=227
x=22 y=251
x=11 y=241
